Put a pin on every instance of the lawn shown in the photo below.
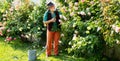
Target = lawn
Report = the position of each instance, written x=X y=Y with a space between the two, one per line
x=18 y=51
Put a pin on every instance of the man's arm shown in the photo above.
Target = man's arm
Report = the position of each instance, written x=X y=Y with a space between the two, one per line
x=49 y=21
x=45 y=19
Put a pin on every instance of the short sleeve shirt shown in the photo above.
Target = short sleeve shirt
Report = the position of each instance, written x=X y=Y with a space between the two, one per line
x=54 y=27
x=46 y=14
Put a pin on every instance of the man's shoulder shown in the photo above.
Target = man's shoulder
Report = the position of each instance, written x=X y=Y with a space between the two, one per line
x=46 y=12
x=57 y=11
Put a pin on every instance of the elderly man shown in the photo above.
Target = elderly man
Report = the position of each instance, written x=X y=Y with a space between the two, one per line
x=51 y=20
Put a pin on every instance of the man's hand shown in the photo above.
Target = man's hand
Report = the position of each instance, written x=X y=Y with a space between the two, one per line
x=49 y=21
x=53 y=20
x=60 y=22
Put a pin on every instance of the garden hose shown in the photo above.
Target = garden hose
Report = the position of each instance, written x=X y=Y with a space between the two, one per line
x=41 y=51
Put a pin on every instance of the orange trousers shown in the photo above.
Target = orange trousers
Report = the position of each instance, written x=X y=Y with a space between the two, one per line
x=52 y=41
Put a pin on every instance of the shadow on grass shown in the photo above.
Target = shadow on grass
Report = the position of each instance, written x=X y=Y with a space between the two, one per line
x=18 y=45
x=62 y=57
x=66 y=57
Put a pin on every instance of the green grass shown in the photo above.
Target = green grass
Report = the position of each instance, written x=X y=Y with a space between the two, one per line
x=18 y=51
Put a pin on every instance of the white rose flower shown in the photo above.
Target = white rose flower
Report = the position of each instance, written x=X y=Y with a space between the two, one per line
x=76 y=8
x=60 y=41
x=88 y=28
x=92 y=2
x=61 y=16
x=6 y=12
x=38 y=28
x=89 y=13
x=76 y=31
x=113 y=26
x=117 y=29
x=28 y=24
x=71 y=14
x=70 y=43
x=76 y=3
x=74 y=25
x=26 y=36
x=62 y=35
x=20 y=29
x=60 y=21
x=64 y=18
x=27 y=21
x=118 y=41
x=87 y=9
x=4 y=15
x=4 y=18
x=98 y=29
x=78 y=12
x=70 y=4
x=74 y=37
x=82 y=13
x=65 y=0
x=11 y=9
x=29 y=34
x=28 y=27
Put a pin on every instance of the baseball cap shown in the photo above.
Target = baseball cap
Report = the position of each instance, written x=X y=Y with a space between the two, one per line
x=50 y=4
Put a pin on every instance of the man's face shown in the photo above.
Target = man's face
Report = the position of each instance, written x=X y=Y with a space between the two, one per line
x=52 y=8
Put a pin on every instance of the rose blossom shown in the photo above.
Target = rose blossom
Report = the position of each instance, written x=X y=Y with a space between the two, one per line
x=61 y=16
x=74 y=37
x=117 y=29
x=62 y=35
x=92 y=2
x=82 y=13
x=1 y=34
x=2 y=28
x=83 y=1
x=71 y=14
x=76 y=31
x=11 y=9
x=76 y=8
x=89 y=13
x=4 y=18
x=14 y=38
x=70 y=4
x=98 y=29
x=8 y=30
x=8 y=38
x=76 y=3
x=64 y=18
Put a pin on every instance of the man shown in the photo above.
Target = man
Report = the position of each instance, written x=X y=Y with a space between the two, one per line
x=51 y=20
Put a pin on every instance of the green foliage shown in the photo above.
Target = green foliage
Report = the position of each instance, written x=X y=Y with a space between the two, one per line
x=25 y=22
x=90 y=25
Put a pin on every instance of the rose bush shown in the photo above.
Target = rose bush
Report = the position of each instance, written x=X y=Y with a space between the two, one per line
x=23 y=21
x=90 y=26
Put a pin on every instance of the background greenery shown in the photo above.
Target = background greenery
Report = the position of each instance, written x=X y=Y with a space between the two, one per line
x=89 y=26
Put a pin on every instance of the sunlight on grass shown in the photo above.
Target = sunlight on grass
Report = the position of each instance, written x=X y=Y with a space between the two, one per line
x=18 y=51
x=10 y=53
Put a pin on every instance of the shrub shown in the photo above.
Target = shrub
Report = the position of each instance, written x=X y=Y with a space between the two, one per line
x=90 y=25
x=25 y=22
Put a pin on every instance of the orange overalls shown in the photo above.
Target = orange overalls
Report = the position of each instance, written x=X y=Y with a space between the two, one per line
x=52 y=37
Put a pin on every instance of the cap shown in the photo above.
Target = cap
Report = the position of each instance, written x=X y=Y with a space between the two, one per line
x=50 y=4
